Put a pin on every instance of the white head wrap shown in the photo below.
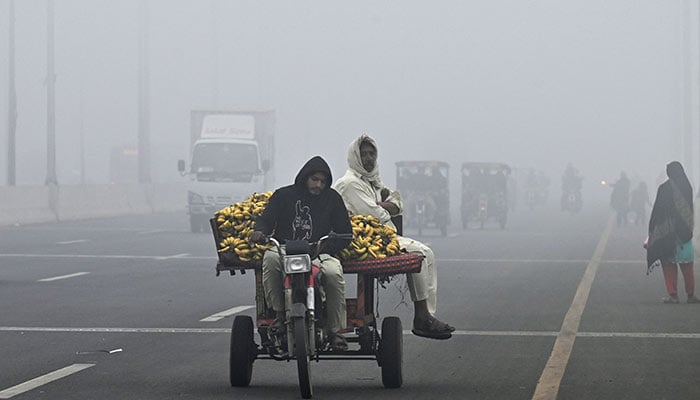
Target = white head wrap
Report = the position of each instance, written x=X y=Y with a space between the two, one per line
x=355 y=161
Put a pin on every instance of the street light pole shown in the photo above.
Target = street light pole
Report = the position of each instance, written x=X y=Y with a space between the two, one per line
x=144 y=146
x=214 y=57
x=12 y=101
x=51 y=99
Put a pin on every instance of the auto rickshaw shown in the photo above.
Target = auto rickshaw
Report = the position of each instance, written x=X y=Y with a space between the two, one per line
x=484 y=193
x=424 y=187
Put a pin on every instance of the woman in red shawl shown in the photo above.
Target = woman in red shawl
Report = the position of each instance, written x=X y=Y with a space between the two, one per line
x=671 y=233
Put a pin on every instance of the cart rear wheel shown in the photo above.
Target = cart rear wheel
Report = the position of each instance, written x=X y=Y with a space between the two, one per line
x=301 y=352
x=391 y=352
x=243 y=351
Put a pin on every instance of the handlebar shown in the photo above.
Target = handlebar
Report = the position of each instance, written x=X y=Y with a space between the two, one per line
x=317 y=245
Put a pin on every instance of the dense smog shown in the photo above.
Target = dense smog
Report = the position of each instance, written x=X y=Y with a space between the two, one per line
x=470 y=200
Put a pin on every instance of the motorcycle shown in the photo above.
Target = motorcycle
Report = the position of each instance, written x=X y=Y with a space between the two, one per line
x=483 y=209
x=571 y=201
x=304 y=337
x=420 y=214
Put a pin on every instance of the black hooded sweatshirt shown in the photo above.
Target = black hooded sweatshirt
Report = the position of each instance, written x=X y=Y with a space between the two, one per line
x=294 y=213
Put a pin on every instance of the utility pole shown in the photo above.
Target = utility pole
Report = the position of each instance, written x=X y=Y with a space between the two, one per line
x=51 y=99
x=214 y=57
x=144 y=145
x=689 y=114
x=82 y=133
x=12 y=101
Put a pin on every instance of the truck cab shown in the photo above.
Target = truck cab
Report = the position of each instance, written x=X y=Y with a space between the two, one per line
x=229 y=162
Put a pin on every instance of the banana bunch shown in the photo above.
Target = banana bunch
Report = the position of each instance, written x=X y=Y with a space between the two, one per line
x=371 y=239
x=236 y=223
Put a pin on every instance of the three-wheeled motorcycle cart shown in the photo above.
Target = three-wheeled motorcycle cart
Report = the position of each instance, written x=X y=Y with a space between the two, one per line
x=366 y=340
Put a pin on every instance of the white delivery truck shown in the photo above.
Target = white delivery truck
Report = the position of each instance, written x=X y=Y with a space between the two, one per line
x=231 y=153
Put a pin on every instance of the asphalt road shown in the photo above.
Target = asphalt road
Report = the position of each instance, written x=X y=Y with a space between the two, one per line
x=554 y=306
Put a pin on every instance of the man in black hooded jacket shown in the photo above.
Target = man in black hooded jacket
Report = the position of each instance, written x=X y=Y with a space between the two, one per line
x=308 y=210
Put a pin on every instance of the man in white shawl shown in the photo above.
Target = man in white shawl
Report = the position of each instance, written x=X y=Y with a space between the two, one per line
x=365 y=194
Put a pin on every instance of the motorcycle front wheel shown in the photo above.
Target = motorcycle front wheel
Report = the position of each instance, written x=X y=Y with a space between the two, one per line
x=301 y=352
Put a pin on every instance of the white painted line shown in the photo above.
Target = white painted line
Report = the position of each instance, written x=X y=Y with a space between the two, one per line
x=107 y=256
x=548 y=385
x=189 y=257
x=498 y=333
x=510 y=260
x=56 y=278
x=639 y=335
x=113 y=330
x=226 y=313
x=150 y=232
x=181 y=255
x=538 y=261
x=73 y=241
x=630 y=335
x=43 y=380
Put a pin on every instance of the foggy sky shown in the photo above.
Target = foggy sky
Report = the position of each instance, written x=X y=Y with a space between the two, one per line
x=599 y=83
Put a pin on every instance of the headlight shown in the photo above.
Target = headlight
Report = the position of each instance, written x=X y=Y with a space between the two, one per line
x=297 y=264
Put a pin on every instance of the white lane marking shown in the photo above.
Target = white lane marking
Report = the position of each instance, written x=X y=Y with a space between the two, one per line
x=630 y=335
x=73 y=241
x=226 y=313
x=107 y=256
x=542 y=260
x=181 y=255
x=548 y=385
x=150 y=232
x=113 y=330
x=510 y=260
x=43 y=380
x=189 y=257
x=56 y=278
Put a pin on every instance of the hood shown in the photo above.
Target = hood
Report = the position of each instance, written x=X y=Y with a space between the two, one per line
x=316 y=164
x=355 y=161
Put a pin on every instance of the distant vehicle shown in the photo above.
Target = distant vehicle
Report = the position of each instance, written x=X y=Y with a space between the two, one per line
x=123 y=164
x=484 y=193
x=231 y=158
x=424 y=188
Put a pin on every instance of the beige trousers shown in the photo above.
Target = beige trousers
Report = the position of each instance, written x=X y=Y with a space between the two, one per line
x=423 y=285
x=332 y=280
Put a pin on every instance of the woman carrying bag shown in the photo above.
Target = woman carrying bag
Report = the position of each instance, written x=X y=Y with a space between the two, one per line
x=671 y=233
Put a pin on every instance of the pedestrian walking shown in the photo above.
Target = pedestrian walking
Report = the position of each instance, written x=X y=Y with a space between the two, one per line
x=671 y=232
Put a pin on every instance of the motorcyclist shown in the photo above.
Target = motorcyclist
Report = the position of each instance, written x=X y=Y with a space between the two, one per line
x=619 y=199
x=531 y=188
x=570 y=184
x=308 y=210
x=639 y=200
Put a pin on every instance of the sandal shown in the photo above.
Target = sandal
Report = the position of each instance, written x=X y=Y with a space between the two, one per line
x=337 y=342
x=433 y=328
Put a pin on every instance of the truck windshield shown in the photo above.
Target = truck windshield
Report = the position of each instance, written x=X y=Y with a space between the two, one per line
x=231 y=162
